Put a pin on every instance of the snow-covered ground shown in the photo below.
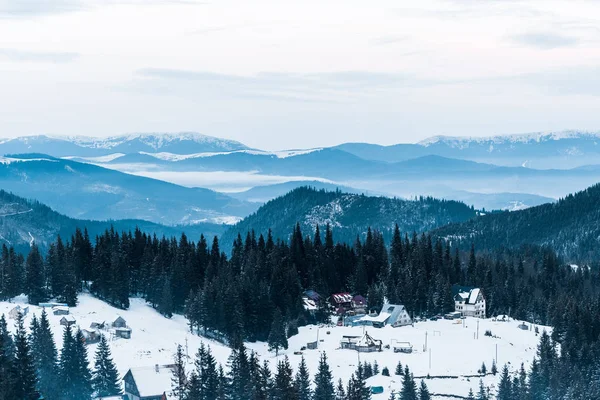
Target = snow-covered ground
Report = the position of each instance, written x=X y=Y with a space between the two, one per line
x=452 y=346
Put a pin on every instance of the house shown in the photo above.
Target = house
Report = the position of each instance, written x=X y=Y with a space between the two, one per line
x=91 y=336
x=341 y=302
x=470 y=302
x=60 y=310
x=52 y=304
x=312 y=295
x=390 y=314
x=67 y=320
x=124 y=333
x=98 y=325
x=119 y=322
x=148 y=383
x=359 y=303
x=523 y=326
x=309 y=305
x=364 y=344
x=118 y=397
x=403 y=347
x=18 y=309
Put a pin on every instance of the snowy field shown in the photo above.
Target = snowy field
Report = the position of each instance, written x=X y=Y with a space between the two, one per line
x=452 y=346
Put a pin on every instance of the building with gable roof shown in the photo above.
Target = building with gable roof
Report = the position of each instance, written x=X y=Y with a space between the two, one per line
x=469 y=301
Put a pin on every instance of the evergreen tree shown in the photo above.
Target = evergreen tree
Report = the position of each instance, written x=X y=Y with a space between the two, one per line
x=194 y=388
x=385 y=371
x=481 y=394
x=483 y=369
x=302 y=382
x=165 y=307
x=81 y=364
x=324 y=389
x=283 y=388
x=399 y=369
x=471 y=396
x=277 y=338
x=105 y=378
x=505 y=387
x=23 y=375
x=424 y=392
x=494 y=368
x=6 y=367
x=35 y=286
x=409 y=387
x=340 y=393
x=179 y=379
x=45 y=358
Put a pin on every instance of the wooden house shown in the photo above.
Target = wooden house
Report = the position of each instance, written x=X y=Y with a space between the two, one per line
x=91 y=336
x=148 y=383
x=16 y=310
x=341 y=302
x=119 y=322
x=67 y=320
x=124 y=333
x=60 y=310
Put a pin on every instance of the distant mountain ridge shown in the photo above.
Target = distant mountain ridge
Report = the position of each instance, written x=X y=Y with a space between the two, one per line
x=89 y=191
x=348 y=214
x=23 y=222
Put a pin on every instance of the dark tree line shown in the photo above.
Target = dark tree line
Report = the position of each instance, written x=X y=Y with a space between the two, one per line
x=245 y=296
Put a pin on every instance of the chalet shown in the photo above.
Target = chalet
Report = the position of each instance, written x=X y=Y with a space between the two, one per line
x=390 y=314
x=148 y=383
x=119 y=322
x=403 y=347
x=341 y=302
x=98 y=325
x=364 y=344
x=18 y=309
x=124 y=333
x=470 y=302
x=359 y=303
x=91 y=336
x=60 y=310
x=67 y=320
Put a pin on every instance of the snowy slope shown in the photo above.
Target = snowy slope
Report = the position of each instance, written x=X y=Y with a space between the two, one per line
x=452 y=346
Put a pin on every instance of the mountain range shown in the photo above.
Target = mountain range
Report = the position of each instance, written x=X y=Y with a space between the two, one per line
x=87 y=191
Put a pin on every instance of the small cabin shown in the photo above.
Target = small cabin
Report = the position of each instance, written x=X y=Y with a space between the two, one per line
x=98 y=325
x=123 y=333
x=91 y=336
x=67 y=320
x=364 y=344
x=119 y=322
x=18 y=309
x=60 y=310
x=312 y=345
x=148 y=383
x=523 y=326
x=403 y=347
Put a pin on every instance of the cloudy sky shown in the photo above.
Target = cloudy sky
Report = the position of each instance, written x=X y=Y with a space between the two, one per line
x=283 y=74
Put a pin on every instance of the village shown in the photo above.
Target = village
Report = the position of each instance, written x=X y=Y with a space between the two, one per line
x=143 y=342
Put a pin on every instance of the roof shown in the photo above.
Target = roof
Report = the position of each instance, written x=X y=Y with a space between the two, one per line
x=152 y=381
x=68 y=318
x=311 y=294
x=123 y=329
x=117 y=317
x=342 y=297
x=367 y=340
x=309 y=304
x=474 y=295
x=382 y=317
x=60 y=308
x=456 y=289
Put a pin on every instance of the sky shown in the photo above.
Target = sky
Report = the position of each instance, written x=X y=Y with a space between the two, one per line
x=282 y=74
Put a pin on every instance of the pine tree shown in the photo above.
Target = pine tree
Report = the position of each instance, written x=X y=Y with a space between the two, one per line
x=340 y=393
x=481 y=394
x=194 y=389
x=494 y=368
x=424 y=392
x=385 y=371
x=505 y=385
x=483 y=369
x=6 y=367
x=399 y=369
x=283 y=388
x=105 y=378
x=471 y=396
x=34 y=283
x=45 y=358
x=179 y=379
x=375 y=368
x=23 y=373
x=165 y=307
x=223 y=393
x=82 y=367
x=302 y=381
x=277 y=338
x=409 y=387
x=324 y=389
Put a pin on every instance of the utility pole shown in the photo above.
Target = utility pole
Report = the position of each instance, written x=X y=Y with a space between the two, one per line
x=478 y=329
x=496 y=353
x=430 y=359
x=425 y=348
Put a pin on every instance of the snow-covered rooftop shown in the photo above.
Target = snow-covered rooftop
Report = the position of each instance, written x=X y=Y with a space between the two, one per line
x=152 y=381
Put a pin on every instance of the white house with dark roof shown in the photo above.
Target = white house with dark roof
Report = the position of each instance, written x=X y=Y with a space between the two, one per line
x=470 y=302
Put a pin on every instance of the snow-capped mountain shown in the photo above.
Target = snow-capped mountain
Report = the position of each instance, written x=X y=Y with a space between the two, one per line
x=82 y=146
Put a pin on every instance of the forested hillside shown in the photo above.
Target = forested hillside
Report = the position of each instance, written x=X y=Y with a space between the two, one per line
x=23 y=221
x=348 y=215
x=570 y=226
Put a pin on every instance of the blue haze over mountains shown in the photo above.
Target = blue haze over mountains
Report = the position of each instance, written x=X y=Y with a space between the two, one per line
x=97 y=178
